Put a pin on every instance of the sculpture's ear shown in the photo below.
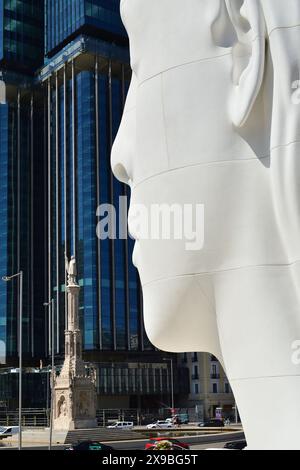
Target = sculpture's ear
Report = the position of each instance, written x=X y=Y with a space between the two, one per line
x=248 y=20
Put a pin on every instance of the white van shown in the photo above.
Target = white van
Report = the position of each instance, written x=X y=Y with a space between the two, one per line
x=8 y=431
x=121 y=425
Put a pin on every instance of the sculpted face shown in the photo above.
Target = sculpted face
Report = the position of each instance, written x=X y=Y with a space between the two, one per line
x=213 y=118
x=176 y=124
x=197 y=68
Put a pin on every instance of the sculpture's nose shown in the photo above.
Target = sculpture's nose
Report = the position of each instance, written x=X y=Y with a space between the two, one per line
x=124 y=145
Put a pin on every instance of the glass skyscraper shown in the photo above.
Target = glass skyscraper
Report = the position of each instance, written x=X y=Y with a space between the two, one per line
x=21 y=155
x=65 y=19
x=21 y=34
x=60 y=110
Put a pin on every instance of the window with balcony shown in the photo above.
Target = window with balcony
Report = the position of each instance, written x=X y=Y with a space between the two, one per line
x=195 y=375
x=214 y=372
x=195 y=357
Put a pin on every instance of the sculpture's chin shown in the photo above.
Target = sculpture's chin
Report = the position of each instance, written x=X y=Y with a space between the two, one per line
x=178 y=317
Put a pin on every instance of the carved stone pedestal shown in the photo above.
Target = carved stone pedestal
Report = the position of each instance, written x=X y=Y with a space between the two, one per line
x=74 y=404
x=74 y=399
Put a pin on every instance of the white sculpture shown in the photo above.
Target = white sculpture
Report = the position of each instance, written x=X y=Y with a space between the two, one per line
x=213 y=117
x=71 y=269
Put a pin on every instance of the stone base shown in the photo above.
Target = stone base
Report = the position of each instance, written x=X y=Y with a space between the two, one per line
x=85 y=424
x=76 y=424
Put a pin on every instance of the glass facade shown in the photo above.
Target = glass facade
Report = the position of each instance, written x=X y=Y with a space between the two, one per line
x=86 y=203
x=110 y=304
x=53 y=184
x=20 y=238
x=118 y=379
x=5 y=223
x=22 y=33
x=57 y=127
x=68 y=18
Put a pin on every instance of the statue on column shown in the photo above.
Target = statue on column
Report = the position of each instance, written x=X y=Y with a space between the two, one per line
x=79 y=411
x=71 y=270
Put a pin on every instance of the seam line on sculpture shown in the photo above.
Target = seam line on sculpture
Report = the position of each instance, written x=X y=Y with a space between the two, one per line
x=237 y=268
x=194 y=165
x=164 y=121
x=216 y=162
x=182 y=65
x=282 y=27
x=265 y=377
x=285 y=145
x=205 y=59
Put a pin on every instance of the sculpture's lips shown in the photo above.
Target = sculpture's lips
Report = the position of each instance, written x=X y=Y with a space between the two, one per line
x=135 y=254
x=132 y=226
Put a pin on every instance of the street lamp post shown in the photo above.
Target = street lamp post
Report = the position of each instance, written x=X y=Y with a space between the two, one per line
x=172 y=383
x=7 y=279
x=236 y=413
x=50 y=305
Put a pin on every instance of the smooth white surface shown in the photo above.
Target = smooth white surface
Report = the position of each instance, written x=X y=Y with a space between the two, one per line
x=213 y=117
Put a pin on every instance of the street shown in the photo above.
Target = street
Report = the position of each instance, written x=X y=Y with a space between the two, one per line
x=136 y=445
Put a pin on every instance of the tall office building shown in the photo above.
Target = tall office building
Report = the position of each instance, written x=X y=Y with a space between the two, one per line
x=58 y=123
x=21 y=35
x=21 y=232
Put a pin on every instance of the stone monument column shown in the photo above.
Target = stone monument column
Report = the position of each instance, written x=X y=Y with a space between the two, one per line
x=74 y=391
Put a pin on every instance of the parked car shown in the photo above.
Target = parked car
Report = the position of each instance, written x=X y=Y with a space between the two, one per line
x=212 y=423
x=184 y=418
x=160 y=425
x=90 y=445
x=236 y=445
x=8 y=431
x=121 y=425
x=154 y=441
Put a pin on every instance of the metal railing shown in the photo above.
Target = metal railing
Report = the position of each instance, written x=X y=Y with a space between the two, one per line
x=30 y=418
x=40 y=418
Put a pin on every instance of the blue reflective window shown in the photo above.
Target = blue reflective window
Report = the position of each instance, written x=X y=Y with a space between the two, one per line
x=87 y=205
x=119 y=245
x=106 y=246
x=65 y=17
x=22 y=32
x=15 y=191
x=134 y=308
x=4 y=223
